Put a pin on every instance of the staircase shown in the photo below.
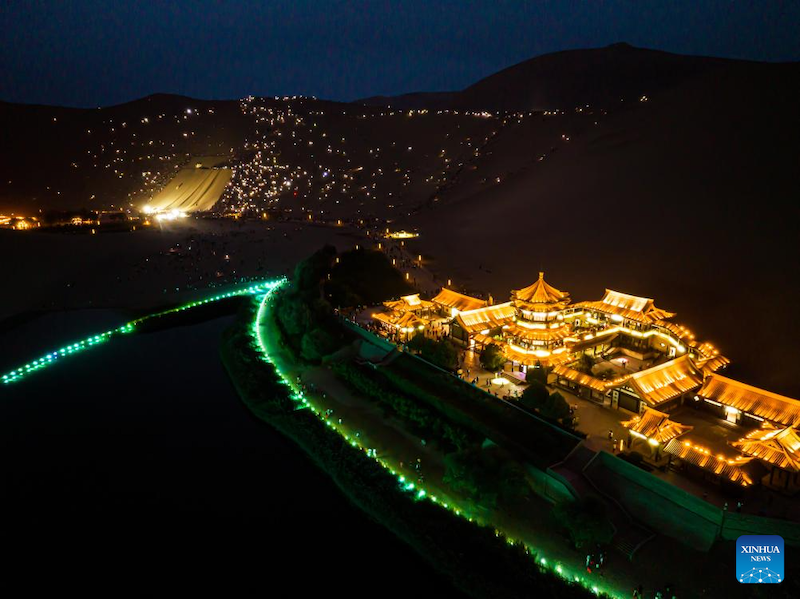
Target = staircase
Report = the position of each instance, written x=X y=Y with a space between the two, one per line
x=629 y=538
x=629 y=535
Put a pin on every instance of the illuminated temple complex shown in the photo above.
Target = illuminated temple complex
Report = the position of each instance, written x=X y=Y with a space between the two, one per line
x=540 y=326
x=624 y=352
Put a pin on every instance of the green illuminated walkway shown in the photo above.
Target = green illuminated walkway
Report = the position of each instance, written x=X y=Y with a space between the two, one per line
x=79 y=346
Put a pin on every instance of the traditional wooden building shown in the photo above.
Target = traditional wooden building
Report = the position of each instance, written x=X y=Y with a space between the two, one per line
x=706 y=465
x=618 y=307
x=635 y=318
x=747 y=405
x=538 y=327
x=779 y=449
x=584 y=385
x=654 y=429
x=663 y=387
x=449 y=303
x=402 y=326
x=639 y=325
x=411 y=303
x=405 y=317
x=481 y=326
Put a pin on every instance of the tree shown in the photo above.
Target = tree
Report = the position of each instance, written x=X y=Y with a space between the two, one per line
x=512 y=482
x=364 y=277
x=445 y=355
x=535 y=396
x=466 y=473
x=484 y=475
x=316 y=344
x=442 y=353
x=586 y=522
x=555 y=407
x=309 y=273
x=293 y=314
x=536 y=373
x=492 y=357
x=584 y=364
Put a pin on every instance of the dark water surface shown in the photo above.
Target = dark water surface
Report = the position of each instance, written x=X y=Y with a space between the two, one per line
x=135 y=465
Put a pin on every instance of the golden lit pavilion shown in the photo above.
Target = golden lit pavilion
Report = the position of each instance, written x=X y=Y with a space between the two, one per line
x=539 y=302
x=410 y=303
x=539 y=326
x=625 y=308
x=655 y=427
x=481 y=325
x=403 y=325
x=777 y=447
x=404 y=317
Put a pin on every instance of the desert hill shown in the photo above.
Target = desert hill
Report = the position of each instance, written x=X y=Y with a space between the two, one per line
x=342 y=160
x=689 y=198
x=601 y=77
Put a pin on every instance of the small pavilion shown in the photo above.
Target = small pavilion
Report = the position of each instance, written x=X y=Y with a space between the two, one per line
x=654 y=428
x=779 y=449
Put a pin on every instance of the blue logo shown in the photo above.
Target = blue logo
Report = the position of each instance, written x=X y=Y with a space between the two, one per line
x=759 y=559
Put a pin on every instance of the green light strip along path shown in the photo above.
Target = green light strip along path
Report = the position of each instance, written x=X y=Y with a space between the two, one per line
x=417 y=491
x=79 y=346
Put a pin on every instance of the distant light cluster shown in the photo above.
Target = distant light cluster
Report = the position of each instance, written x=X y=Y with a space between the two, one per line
x=302 y=158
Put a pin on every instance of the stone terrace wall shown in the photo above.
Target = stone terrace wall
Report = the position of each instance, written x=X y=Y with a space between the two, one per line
x=673 y=512
x=748 y=524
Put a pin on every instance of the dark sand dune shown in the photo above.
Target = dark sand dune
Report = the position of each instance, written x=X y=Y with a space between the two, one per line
x=597 y=77
x=690 y=198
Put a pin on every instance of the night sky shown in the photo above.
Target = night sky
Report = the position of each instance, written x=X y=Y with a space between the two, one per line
x=90 y=53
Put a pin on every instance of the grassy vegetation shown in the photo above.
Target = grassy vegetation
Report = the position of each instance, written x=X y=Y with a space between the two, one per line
x=586 y=522
x=486 y=476
x=541 y=442
x=421 y=420
x=474 y=558
x=441 y=353
x=325 y=281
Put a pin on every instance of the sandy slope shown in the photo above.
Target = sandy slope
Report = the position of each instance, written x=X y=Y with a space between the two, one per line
x=192 y=189
x=689 y=198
